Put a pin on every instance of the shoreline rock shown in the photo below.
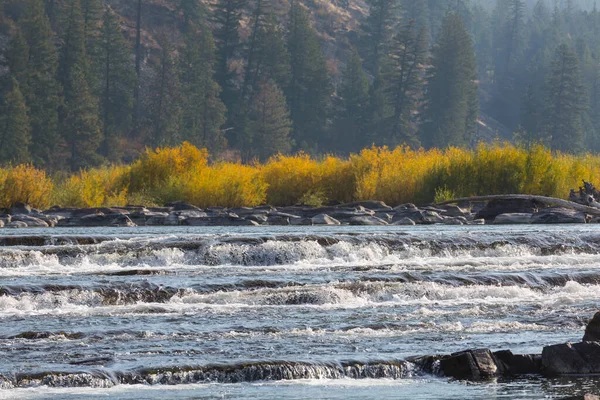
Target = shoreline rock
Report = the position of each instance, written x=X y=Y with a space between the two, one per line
x=365 y=213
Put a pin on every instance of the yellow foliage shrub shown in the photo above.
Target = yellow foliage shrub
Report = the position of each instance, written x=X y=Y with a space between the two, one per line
x=94 y=188
x=25 y=184
x=156 y=167
x=225 y=185
x=395 y=176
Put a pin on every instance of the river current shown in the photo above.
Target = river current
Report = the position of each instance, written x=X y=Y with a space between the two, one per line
x=287 y=312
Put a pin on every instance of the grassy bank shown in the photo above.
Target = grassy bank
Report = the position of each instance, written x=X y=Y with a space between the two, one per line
x=395 y=176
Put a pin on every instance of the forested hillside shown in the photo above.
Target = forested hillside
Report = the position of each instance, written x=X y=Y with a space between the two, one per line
x=89 y=82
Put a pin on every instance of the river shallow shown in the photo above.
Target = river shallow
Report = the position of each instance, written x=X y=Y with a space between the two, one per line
x=294 y=312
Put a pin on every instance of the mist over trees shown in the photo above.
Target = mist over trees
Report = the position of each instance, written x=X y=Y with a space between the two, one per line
x=87 y=82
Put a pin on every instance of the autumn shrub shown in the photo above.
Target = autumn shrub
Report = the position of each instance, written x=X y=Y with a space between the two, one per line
x=394 y=176
x=25 y=184
x=94 y=188
x=225 y=185
x=155 y=167
x=289 y=178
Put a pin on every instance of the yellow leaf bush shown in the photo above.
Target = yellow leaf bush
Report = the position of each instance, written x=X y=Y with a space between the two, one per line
x=395 y=176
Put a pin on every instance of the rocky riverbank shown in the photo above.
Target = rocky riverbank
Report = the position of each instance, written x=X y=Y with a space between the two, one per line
x=376 y=213
x=581 y=358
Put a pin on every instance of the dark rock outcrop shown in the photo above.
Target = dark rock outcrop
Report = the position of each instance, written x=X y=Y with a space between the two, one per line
x=472 y=365
x=592 y=331
x=508 y=206
x=558 y=216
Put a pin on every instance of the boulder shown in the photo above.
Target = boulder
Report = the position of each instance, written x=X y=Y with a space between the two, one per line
x=404 y=207
x=301 y=221
x=181 y=206
x=191 y=213
x=592 y=331
x=513 y=218
x=367 y=221
x=31 y=221
x=162 y=219
x=519 y=364
x=387 y=217
x=455 y=221
x=453 y=211
x=368 y=204
x=324 y=219
x=472 y=365
x=1 y=224
x=5 y=218
x=100 y=219
x=413 y=214
x=477 y=222
x=571 y=359
x=404 y=221
x=141 y=217
x=558 y=216
x=222 y=220
x=507 y=206
x=432 y=217
x=17 y=224
x=280 y=218
x=258 y=218
x=20 y=208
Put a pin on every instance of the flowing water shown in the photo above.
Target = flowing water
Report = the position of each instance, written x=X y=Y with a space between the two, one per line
x=282 y=312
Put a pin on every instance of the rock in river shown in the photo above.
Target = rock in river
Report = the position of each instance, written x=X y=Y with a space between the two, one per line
x=592 y=331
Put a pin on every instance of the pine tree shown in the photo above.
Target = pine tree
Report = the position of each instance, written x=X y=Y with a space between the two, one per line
x=269 y=123
x=39 y=85
x=309 y=90
x=267 y=60
x=80 y=125
x=92 y=16
x=451 y=100
x=164 y=103
x=227 y=17
x=378 y=31
x=73 y=51
x=17 y=56
x=405 y=81
x=351 y=120
x=15 y=135
x=203 y=111
x=116 y=74
x=566 y=102
x=193 y=12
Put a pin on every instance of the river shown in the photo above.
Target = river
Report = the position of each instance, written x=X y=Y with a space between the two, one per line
x=287 y=312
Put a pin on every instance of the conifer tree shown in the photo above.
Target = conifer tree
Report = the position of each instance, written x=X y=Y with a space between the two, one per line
x=203 y=111
x=92 y=16
x=451 y=101
x=17 y=56
x=566 y=102
x=406 y=64
x=193 y=12
x=309 y=90
x=227 y=17
x=164 y=103
x=351 y=122
x=116 y=75
x=80 y=124
x=269 y=123
x=15 y=135
x=39 y=85
x=378 y=31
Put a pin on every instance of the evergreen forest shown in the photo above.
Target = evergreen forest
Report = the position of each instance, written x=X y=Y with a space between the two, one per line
x=87 y=83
